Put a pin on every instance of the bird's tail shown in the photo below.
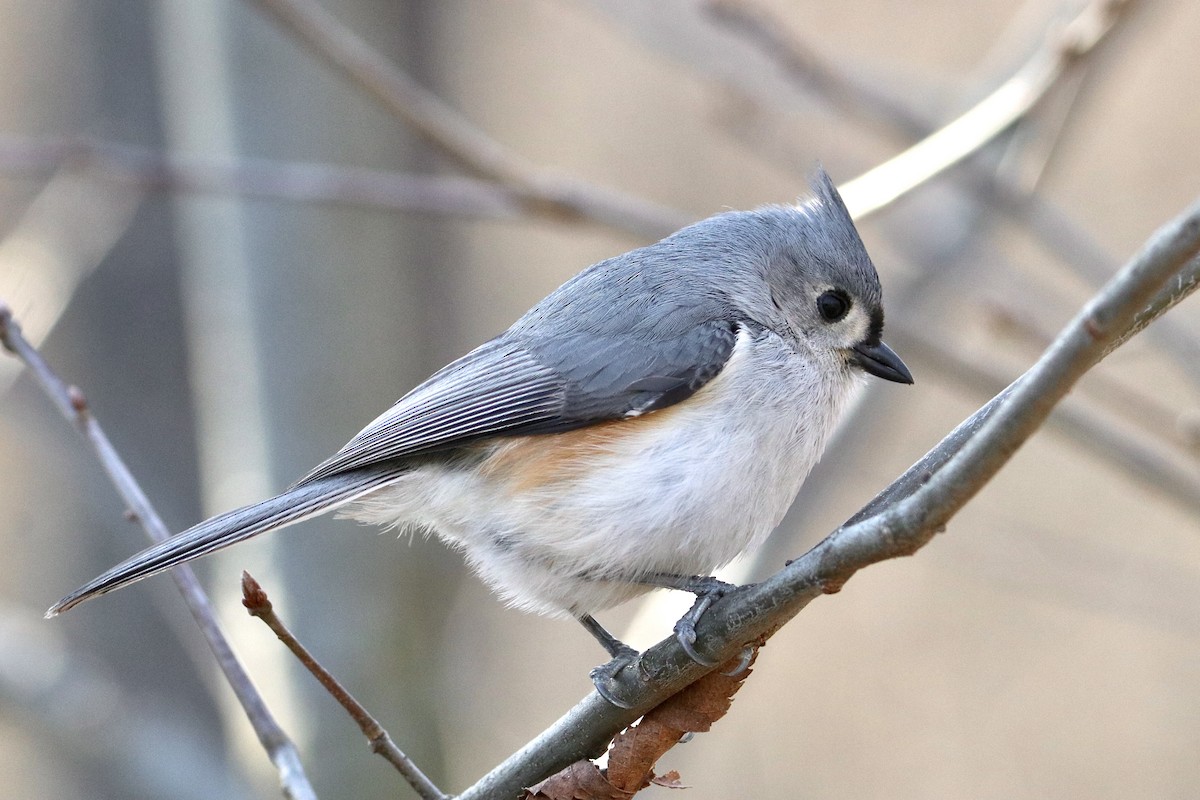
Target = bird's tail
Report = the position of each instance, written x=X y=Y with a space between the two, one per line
x=299 y=502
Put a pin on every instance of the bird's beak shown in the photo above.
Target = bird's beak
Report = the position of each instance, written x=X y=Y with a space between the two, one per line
x=881 y=361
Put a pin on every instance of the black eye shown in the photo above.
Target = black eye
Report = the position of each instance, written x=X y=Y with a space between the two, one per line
x=833 y=305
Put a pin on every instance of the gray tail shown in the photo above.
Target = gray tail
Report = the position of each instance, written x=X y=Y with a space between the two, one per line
x=297 y=503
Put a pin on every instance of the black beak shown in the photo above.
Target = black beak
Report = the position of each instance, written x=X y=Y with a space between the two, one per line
x=881 y=361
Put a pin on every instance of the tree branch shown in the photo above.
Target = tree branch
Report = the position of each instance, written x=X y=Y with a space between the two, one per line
x=807 y=68
x=898 y=521
x=1065 y=239
x=71 y=403
x=255 y=599
x=258 y=177
x=1062 y=47
x=1135 y=455
x=987 y=119
x=448 y=130
x=1141 y=406
x=637 y=749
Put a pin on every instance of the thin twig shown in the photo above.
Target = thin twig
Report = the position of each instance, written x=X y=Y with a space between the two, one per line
x=451 y=132
x=987 y=119
x=899 y=521
x=255 y=599
x=72 y=404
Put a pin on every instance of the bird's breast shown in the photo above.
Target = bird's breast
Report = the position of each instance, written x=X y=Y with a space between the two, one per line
x=569 y=522
x=684 y=489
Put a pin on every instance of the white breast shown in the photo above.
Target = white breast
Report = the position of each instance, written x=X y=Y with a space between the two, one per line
x=681 y=491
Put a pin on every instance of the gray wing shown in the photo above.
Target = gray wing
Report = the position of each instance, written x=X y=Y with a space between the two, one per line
x=512 y=385
x=626 y=374
x=503 y=387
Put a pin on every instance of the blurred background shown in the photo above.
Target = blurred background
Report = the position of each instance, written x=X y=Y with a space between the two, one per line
x=242 y=256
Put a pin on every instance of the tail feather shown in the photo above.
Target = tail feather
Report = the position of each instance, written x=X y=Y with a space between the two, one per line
x=216 y=533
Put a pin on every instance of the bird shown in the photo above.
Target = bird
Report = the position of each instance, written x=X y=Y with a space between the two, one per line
x=640 y=427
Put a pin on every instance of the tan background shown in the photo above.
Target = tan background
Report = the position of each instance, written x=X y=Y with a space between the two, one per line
x=1048 y=645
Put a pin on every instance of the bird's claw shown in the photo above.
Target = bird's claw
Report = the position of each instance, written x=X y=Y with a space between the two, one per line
x=746 y=656
x=707 y=591
x=685 y=634
x=604 y=677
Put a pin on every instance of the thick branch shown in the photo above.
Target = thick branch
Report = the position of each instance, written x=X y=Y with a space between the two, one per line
x=902 y=519
x=1137 y=456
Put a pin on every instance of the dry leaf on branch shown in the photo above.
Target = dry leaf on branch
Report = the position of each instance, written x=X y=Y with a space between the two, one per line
x=636 y=749
x=583 y=780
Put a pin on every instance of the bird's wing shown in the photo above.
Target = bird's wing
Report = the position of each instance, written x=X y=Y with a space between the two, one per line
x=501 y=388
x=509 y=386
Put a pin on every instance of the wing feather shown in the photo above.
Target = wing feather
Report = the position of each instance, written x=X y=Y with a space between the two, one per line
x=494 y=388
x=509 y=386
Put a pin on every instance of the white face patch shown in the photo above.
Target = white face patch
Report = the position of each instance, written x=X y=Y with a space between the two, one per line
x=855 y=327
x=827 y=341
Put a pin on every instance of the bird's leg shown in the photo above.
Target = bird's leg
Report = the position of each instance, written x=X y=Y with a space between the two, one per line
x=707 y=590
x=604 y=676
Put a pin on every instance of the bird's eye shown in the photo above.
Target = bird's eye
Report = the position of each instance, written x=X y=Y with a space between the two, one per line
x=833 y=305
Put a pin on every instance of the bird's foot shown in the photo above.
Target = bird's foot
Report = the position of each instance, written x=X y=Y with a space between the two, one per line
x=707 y=591
x=604 y=677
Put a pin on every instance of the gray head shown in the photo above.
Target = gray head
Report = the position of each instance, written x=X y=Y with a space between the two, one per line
x=803 y=272
x=800 y=271
x=825 y=285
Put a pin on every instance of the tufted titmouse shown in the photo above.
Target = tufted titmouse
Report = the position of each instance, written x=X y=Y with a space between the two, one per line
x=640 y=427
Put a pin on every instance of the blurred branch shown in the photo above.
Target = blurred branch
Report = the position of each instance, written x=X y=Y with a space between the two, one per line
x=1176 y=242
x=987 y=119
x=255 y=177
x=72 y=404
x=808 y=68
x=898 y=521
x=60 y=698
x=1055 y=230
x=1064 y=238
x=537 y=188
x=1050 y=65
x=255 y=599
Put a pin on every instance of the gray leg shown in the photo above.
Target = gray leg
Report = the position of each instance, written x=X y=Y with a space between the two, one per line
x=604 y=676
x=612 y=644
